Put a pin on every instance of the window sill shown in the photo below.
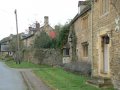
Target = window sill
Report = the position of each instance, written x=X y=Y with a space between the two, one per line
x=102 y=72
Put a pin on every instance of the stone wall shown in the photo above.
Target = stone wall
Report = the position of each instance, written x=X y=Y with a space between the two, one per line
x=115 y=60
x=46 y=56
x=79 y=67
x=52 y=57
x=102 y=24
x=115 y=52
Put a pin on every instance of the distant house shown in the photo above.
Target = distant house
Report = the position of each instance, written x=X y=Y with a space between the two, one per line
x=28 y=39
x=4 y=46
x=47 y=28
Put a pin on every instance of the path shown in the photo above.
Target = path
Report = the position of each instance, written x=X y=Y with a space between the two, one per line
x=33 y=82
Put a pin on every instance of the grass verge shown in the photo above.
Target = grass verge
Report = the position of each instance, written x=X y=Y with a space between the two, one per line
x=57 y=78
x=61 y=80
x=24 y=64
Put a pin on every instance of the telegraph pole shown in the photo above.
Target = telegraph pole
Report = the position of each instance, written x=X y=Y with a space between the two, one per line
x=18 y=47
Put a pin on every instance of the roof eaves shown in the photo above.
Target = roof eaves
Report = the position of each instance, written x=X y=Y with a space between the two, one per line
x=28 y=36
x=87 y=8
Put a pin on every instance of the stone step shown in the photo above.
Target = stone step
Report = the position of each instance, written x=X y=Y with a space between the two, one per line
x=100 y=82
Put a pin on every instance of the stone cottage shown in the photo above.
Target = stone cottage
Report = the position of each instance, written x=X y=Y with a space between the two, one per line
x=81 y=25
x=46 y=27
x=97 y=30
x=105 y=42
x=29 y=38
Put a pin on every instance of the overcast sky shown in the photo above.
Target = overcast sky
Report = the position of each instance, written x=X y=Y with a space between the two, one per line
x=29 y=11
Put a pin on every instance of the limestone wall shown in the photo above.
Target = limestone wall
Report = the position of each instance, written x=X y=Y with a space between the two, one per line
x=46 y=56
x=102 y=24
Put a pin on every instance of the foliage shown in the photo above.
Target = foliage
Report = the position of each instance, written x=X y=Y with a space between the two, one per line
x=62 y=37
x=39 y=54
x=74 y=43
x=42 y=41
x=13 y=44
x=58 y=79
x=6 y=57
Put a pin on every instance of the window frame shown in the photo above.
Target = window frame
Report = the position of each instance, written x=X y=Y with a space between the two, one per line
x=66 y=51
x=85 y=49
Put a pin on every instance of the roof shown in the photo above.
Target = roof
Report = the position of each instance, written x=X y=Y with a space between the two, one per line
x=86 y=9
x=27 y=36
x=4 y=40
x=43 y=27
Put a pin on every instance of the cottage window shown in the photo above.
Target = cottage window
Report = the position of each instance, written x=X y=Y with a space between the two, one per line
x=105 y=6
x=66 y=51
x=85 y=49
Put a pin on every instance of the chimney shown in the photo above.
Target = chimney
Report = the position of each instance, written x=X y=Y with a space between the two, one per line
x=30 y=28
x=82 y=5
x=46 y=20
x=37 y=25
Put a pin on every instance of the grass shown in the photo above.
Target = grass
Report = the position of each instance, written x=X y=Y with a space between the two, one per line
x=57 y=78
x=24 y=64
x=61 y=80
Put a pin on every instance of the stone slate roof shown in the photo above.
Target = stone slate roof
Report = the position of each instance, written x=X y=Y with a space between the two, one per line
x=25 y=36
x=87 y=8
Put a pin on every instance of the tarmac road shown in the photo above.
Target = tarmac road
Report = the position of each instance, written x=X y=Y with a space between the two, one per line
x=10 y=79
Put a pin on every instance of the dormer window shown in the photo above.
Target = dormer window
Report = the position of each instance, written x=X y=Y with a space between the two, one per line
x=82 y=5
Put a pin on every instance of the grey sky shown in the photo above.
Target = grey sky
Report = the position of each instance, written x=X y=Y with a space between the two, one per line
x=29 y=11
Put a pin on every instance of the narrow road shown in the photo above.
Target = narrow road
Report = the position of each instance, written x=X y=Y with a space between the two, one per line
x=10 y=79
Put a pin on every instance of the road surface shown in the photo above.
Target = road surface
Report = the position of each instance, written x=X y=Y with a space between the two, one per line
x=10 y=79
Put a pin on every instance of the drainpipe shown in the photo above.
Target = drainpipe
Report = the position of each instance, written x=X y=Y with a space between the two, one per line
x=91 y=38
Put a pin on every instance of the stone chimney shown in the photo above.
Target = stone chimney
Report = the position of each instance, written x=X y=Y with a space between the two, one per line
x=46 y=20
x=82 y=5
x=30 y=28
x=37 y=25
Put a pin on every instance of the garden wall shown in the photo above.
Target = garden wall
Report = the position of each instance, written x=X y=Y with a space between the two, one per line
x=44 y=56
x=80 y=67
